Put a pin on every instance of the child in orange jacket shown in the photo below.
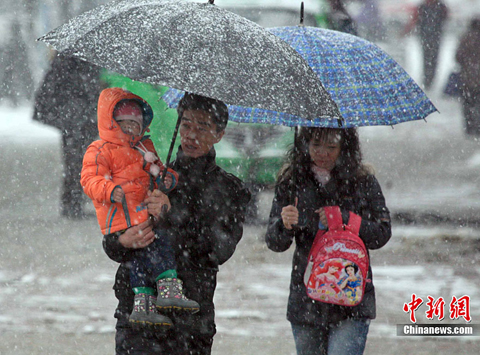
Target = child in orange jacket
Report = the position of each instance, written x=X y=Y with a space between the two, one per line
x=117 y=172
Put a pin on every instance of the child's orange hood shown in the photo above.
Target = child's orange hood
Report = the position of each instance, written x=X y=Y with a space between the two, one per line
x=108 y=129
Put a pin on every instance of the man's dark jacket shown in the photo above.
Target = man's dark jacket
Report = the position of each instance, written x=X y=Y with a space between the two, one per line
x=205 y=224
x=367 y=201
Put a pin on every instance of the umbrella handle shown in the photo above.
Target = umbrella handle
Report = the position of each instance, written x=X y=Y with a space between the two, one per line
x=170 y=150
x=167 y=163
x=294 y=167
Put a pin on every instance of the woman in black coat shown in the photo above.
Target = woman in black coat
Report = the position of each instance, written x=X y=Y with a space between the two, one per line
x=329 y=173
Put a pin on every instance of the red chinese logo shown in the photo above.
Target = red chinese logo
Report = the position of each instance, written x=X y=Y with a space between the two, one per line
x=412 y=307
x=436 y=308
x=460 y=308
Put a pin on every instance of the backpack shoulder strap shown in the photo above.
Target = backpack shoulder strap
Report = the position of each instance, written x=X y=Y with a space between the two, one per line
x=334 y=217
x=354 y=223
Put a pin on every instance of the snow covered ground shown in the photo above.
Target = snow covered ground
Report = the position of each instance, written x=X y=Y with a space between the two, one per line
x=55 y=281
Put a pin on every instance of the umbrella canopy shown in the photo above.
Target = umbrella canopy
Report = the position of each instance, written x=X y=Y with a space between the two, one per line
x=199 y=48
x=369 y=87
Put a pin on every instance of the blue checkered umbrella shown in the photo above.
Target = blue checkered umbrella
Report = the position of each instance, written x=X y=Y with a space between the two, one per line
x=369 y=87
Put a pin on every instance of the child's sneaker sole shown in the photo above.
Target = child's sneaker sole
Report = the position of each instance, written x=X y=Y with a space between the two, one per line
x=191 y=310
x=140 y=324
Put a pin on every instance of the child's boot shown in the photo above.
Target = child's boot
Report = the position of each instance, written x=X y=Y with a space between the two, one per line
x=170 y=296
x=145 y=313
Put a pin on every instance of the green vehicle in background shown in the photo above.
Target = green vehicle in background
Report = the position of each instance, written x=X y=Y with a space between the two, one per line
x=253 y=152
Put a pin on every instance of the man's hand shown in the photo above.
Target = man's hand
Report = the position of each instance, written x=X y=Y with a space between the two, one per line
x=155 y=201
x=138 y=236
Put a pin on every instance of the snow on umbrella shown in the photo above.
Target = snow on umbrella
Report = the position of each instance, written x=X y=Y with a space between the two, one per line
x=199 y=48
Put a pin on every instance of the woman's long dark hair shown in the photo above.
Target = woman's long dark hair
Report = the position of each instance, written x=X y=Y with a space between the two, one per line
x=349 y=164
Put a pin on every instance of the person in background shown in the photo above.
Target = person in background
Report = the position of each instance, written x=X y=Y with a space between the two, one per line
x=369 y=21
x=205 y=223
x=330 y=173
x=429 y=20
x=67 y=100
x=339 y=19
x=468 y=57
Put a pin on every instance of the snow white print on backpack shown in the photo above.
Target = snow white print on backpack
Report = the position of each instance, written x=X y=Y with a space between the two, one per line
x=338 y=262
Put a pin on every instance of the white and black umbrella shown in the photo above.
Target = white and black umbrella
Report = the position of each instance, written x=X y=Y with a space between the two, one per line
x=199 y=48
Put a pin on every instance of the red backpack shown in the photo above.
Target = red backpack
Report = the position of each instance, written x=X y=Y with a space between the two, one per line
x=338 y=262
